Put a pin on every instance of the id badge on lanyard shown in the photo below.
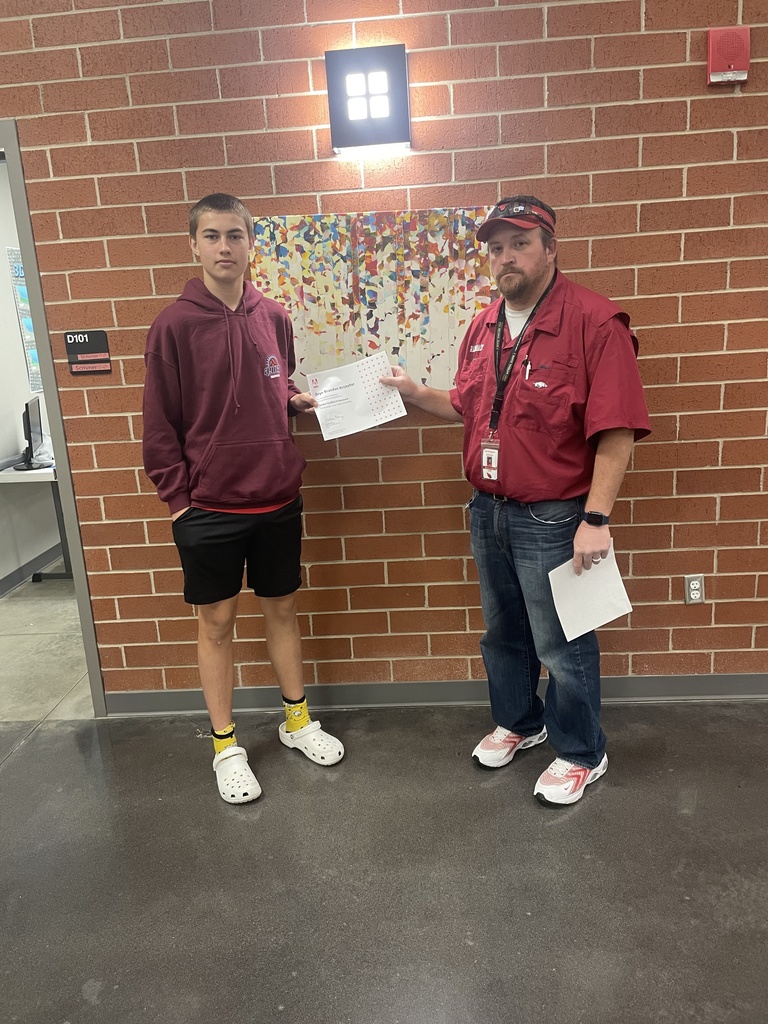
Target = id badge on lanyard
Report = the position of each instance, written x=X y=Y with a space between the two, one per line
x=489 y=457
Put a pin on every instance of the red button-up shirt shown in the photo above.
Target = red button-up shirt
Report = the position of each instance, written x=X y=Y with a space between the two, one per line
x=583 y=379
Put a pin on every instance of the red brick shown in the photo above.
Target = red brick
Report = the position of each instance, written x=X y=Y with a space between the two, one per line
x=746 y=335
x=214 y=50
x=418 y=168
x=456 y=133
x=491 y=26
x=635 y=250
x=422 y=520
x=85 y=95
x=551 y=55
x=708 y=639
x=452 y=65
x=682 y=338
x=55 y=288
x=750 y=209
x=344 y=524
x=222 y=116
x=256 y=80
x=317 y=176
x=149 y=656
x=752 y=145
x=720 y=425
x=413 y=33
x=101 y=222
x=172 y=153
x=229 y=14
x=304 y=40
x=739 y=242
x=357 y=671
x=638 y=119
x=545 y=125
x=628 y=185
x=69 y=29
x=239 y=181
x=660 y=14
x=742 y=612
x=729 y=305
x=672 y=83
x=748 y=506
x=297 y=111
x=130 y=58
x=101 y=428
x=71 y=256
x=641 y=49
x=745 y=453
x=592 y=87
x=119 y=681
x=750 y=394
x=20 y=8
x=594 y=18
x=117 y=158
x=148 y=251
x=682 y=277
x=722 y=368
x=690 y=148
x=498 y=95
x=166 y=20
x=581 y=222
x=36 y=164
x=48 y=131
x=17 y=101
x=431 y=669
x=17 y=35
x=728 y=112
x=685 y=214
x=110 y=456
x=748 y=273
x=592 y=156
x=173 y=87
x=102 y=482
x=718 y=481
x=141 y=632
x=34 y=66
x=136 y=188
x=733 y=663
x=386 y=597
x=688 y=399
x=725 y=179
x=430 y=101
x=101 y=284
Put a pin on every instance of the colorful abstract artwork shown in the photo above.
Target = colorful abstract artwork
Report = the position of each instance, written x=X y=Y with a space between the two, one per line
x=406 y=282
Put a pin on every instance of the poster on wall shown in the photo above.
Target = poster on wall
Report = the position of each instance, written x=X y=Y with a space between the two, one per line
x=406 y=283
x=21 y=298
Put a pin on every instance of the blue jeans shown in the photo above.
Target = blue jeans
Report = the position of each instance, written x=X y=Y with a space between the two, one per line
x=515 y=545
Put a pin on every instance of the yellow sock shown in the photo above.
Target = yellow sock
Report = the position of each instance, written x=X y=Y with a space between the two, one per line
x=223 y=739
x=296 y=714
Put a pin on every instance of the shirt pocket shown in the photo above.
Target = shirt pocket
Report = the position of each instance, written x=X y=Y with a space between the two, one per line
x=543 y=402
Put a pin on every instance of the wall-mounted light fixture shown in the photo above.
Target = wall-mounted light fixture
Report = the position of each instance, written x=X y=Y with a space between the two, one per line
x=368 y=96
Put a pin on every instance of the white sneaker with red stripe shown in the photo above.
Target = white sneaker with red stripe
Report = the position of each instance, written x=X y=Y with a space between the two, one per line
x=564 y=782
x=500 y=746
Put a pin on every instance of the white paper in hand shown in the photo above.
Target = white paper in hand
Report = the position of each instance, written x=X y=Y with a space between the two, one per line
x=351 y=398
x=585 y=602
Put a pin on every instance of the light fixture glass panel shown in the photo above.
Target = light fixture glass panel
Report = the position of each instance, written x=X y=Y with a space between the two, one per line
x=377 y=82
x=355 y=85
x=357 y=108
x=379 y=106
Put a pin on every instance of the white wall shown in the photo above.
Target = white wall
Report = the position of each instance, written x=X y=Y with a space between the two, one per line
x=27 y=518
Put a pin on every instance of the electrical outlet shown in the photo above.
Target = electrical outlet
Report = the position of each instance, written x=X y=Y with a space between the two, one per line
x=694 y=589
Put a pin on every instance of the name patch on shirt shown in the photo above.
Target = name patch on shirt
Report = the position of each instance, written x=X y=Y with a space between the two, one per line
x=272 y=369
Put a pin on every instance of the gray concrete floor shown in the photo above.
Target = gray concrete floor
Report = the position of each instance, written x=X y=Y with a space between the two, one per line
x=402 y=886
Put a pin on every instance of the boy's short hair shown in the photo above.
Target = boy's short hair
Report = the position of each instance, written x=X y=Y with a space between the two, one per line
x=219 y=202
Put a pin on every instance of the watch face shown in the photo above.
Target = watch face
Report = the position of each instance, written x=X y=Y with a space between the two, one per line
x=595 y=518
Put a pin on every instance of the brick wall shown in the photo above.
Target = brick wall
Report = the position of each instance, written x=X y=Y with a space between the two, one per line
x=130 y=111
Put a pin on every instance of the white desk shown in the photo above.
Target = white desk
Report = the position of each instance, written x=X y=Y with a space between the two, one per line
x=28 y=476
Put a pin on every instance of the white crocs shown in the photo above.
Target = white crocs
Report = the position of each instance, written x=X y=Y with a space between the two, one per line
x=237 y=783
x=319 y=746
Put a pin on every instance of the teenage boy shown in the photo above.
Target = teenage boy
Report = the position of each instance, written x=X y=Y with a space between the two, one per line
x=218 y=448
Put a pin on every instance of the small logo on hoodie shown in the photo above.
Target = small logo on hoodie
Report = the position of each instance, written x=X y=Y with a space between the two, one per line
x=272 y=369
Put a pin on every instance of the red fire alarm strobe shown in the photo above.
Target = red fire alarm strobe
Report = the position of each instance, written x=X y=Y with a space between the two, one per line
x=728 y=54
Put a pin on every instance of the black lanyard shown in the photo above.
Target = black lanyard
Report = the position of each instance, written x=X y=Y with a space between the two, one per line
x=503 y=376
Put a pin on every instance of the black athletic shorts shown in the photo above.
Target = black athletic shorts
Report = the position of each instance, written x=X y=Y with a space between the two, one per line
x=215 y=548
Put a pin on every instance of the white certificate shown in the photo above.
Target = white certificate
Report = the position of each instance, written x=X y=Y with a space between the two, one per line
x=351 y=398
x=585 y=602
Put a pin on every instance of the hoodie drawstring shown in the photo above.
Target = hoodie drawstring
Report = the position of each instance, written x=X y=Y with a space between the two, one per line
x=231 y=361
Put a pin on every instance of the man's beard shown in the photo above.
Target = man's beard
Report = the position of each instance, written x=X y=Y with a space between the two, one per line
x=516 y=286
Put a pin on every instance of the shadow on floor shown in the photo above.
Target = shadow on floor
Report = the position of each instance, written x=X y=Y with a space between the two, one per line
x=403 y=886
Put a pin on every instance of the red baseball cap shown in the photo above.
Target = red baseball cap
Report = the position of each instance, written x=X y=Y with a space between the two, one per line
x=525 y=212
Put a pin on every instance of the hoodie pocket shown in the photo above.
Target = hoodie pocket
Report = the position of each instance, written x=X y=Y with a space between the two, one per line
x=242 y=473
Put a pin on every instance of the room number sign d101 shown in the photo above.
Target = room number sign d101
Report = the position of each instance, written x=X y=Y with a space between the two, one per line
x=88 y=352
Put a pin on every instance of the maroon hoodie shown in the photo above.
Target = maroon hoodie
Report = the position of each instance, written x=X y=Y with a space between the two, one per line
x=216 y=402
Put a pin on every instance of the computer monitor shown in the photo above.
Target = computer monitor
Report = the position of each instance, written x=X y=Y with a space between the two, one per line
x=33 y=433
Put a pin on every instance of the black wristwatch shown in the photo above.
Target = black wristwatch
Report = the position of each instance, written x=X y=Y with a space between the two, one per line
x=595 y=518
